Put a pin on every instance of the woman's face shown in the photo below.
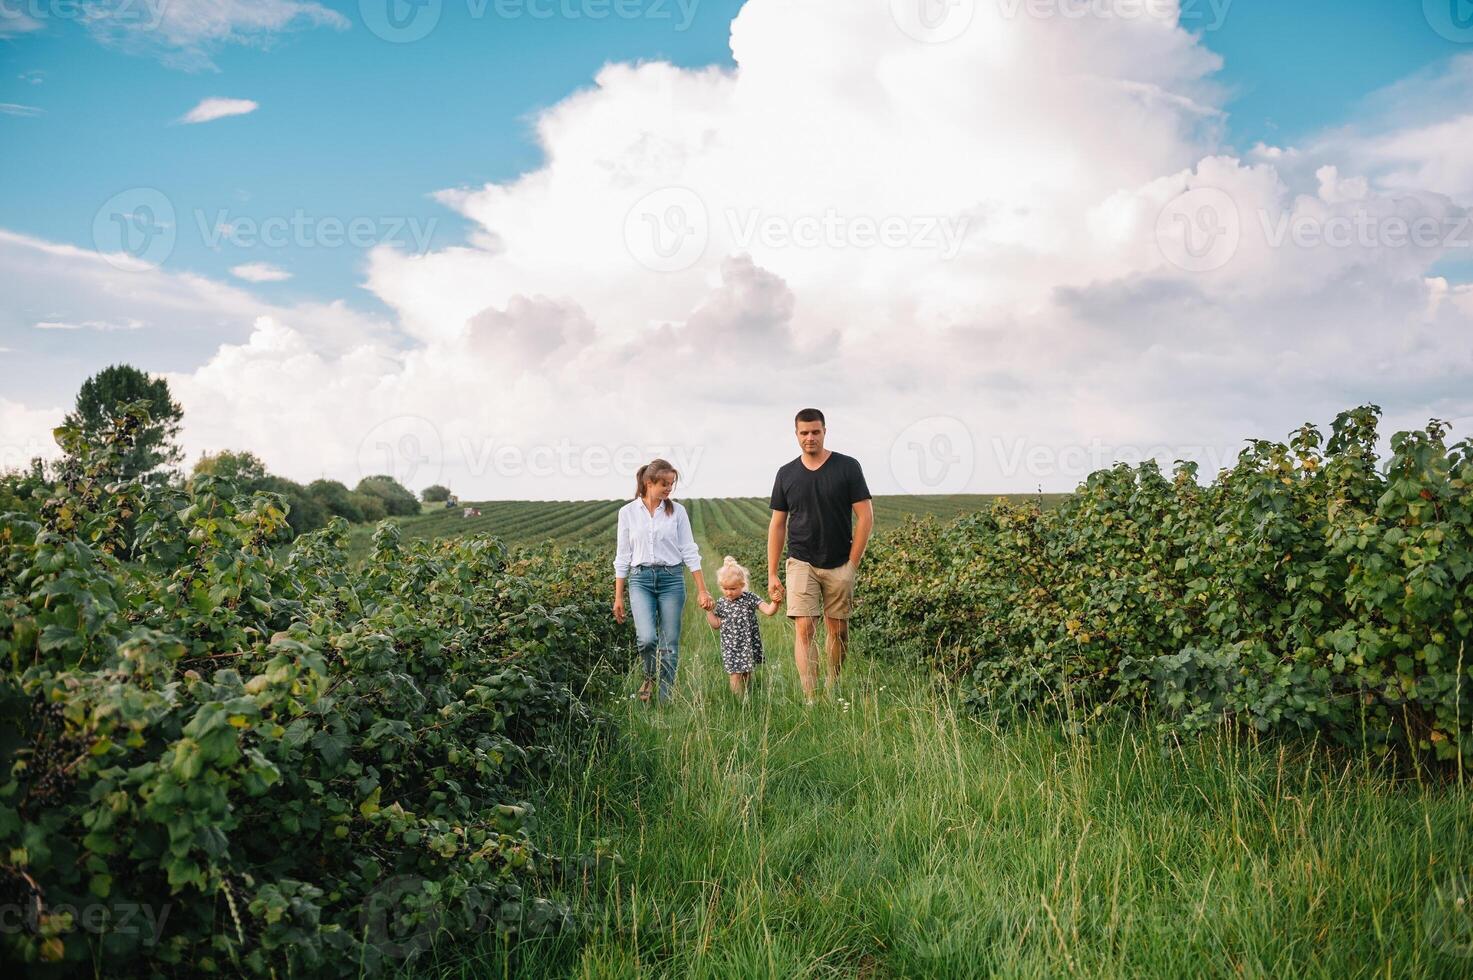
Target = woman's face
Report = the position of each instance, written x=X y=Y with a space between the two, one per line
x=659 y=488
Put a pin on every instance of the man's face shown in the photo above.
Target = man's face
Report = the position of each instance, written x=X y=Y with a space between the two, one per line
x=810 y=437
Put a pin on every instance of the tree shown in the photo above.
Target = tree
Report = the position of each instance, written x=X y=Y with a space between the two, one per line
x=435 y=494
x=100 y=400
x=337 y=500
x=397 y=501
x=242 y=469
x=246 y=472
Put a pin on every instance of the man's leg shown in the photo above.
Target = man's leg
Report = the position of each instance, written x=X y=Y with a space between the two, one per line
x=803 y=657
x=836 y=644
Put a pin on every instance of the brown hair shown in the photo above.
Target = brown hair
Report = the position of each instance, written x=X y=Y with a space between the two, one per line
x=649 y=473
x=810 y=415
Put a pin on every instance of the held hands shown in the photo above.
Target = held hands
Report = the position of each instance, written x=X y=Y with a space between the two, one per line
x=706 y=602
x=775 y=588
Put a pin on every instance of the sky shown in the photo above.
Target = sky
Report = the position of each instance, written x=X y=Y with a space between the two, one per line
x=520 y=246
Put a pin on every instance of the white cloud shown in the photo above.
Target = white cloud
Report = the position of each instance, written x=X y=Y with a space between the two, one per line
x=15 y=109
x=260 y=272
x=1059 y=328
x=211 y=109
x=184 y=33
x=100 y=325
x=15 y=22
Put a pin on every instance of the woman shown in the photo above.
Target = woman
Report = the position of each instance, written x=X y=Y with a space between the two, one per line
x=654 y=540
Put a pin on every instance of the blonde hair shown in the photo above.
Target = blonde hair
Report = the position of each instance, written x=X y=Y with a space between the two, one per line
x=730 y=571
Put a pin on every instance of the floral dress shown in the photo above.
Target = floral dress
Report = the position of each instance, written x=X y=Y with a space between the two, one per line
x=741 y=639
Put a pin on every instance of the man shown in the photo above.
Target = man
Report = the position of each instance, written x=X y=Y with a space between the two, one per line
x=821 y=504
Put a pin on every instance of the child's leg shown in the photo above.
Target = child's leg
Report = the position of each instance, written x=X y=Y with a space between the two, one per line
x=739 y=683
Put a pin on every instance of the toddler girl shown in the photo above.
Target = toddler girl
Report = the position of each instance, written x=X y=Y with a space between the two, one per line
x=736 y=617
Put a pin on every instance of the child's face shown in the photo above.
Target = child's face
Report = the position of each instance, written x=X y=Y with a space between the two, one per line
x=732 y=590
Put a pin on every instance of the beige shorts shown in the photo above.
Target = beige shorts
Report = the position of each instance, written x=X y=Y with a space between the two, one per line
x=819 y=591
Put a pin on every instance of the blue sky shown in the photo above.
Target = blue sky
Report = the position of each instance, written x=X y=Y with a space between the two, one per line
x=350 y=124
x=1040 y=303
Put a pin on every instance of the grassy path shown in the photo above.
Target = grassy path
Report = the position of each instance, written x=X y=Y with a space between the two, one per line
x=891 y=835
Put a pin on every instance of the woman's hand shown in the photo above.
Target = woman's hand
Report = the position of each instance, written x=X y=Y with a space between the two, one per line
x=707 y=603
x=618 y=609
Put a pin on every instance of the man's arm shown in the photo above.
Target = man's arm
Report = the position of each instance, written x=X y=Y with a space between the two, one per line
x=777 y=532
x=864 y=513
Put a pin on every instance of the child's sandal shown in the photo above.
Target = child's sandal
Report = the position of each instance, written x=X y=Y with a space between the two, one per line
x=646 y=690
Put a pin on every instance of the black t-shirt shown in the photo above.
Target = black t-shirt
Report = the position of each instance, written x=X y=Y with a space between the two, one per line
x=820 y=508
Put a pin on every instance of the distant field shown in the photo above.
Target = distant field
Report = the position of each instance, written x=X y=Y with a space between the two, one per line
x=591 y=522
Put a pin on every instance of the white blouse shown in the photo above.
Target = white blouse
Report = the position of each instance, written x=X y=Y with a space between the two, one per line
x=654 y=539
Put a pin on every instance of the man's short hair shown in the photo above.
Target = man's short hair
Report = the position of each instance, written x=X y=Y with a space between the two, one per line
x=810 y=415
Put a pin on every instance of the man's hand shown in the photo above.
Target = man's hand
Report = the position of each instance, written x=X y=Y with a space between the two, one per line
x=775 y=588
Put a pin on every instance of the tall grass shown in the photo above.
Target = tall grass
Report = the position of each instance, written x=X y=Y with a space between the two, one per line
x=888 y=833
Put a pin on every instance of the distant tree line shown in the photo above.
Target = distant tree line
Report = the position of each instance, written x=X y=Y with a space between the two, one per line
x=156 y=456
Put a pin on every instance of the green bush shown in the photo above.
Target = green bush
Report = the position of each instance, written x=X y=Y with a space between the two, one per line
x=337 y=500
x=397 y=501
x=296 y=767
x=435 y=494
x=1304 y=590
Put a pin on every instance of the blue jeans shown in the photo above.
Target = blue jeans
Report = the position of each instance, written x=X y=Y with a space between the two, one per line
x=656 y=598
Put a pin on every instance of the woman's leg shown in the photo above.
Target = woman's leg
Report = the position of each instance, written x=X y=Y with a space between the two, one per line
x=671 y=597
x=643 y=607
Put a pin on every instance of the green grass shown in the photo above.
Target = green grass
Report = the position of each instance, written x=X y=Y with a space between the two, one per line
x=899 y=836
